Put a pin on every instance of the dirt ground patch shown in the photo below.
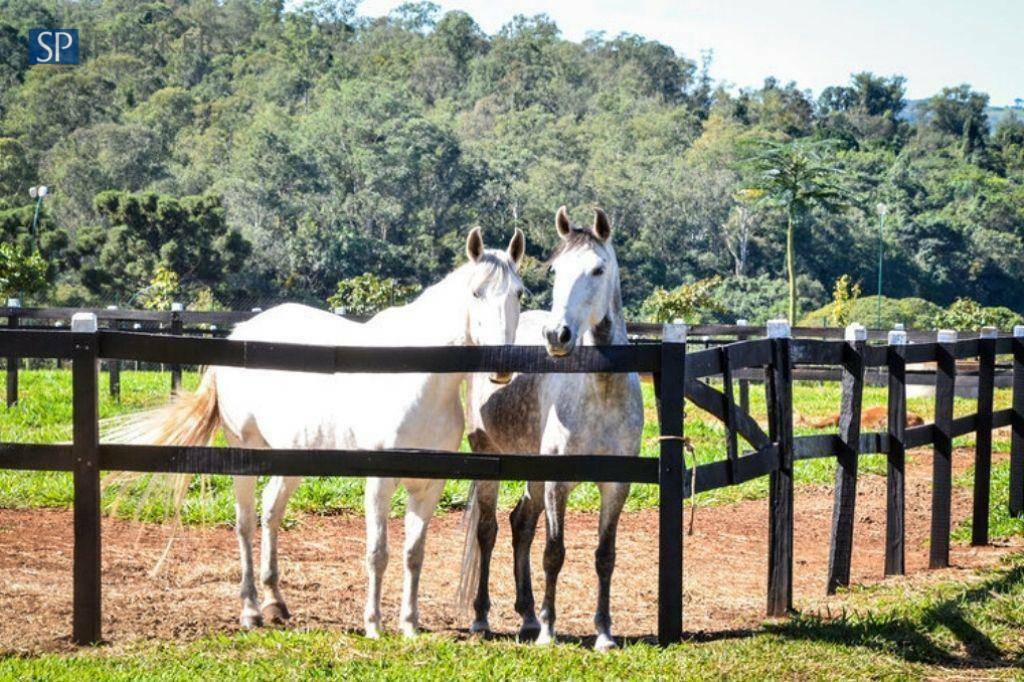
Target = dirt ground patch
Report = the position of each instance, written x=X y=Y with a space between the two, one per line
x=323 y=579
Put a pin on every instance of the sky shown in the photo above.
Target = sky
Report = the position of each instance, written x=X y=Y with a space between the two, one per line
x=817 y=43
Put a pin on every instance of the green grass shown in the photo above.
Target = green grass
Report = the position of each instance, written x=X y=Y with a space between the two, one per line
x=894 y=630
x=44 y=415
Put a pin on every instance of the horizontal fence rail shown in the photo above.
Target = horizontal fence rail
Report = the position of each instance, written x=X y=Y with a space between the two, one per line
x=705 y=377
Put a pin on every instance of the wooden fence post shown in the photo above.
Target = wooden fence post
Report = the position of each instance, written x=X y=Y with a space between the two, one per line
x=1016 y=500
x=744 y=384
x=942 y=450
x=12 y=363
x=176 y=329
x=845 y=500
x=114 y=366
x=780 y=482
x=983 y=436
x=895 y=493
x=671 y=382
x=85 y=455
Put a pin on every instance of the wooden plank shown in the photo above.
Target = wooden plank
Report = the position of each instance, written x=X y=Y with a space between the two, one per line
x=707 y=398
x=731 y=440
x=405 y=463
x=983 y=436
x=35 y=343
x=744 y=384
x=714 y=475
x=176 y=310
x=35 y=457
x=921 y=352
x=895 y=473
x=330 y=359
x=942 y=452
x=780 y=485
x=671 y=470
x=86 y=616
x=12 y=367
x=817 y=352
x=1016 y=497
x=845 y=496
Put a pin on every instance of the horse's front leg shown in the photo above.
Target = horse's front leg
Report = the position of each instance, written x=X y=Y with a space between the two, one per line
x=377 y=500
x=486 y=532
x=423 y=498
x=555 y=496
x=275 y=500
x=524 y=526
x=613 y=497
x=245 y=526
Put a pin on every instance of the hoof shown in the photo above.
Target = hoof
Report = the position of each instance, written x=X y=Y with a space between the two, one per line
x=480 y=626
x=249 y=622
x=409 y=630
x=372 y=632
x=545 y=638
x=529 y=631
x=276 y=613
x=604 y=643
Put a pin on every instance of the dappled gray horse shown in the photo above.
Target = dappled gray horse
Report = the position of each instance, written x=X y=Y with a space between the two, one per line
x=556 y=414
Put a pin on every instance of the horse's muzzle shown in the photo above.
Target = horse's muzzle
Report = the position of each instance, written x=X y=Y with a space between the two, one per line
x=500 y=378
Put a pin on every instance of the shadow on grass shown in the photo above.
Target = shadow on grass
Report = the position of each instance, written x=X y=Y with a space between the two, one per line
x=907 y=637
x=904 y=636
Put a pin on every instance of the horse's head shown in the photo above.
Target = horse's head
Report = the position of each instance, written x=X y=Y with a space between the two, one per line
x=586 y=289
x=494 y=292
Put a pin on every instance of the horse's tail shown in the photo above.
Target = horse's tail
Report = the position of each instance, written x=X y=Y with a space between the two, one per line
x=469 y=577
x=189 y=419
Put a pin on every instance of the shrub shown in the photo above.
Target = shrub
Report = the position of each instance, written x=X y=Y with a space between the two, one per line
x=686 y=302
x=367 y=294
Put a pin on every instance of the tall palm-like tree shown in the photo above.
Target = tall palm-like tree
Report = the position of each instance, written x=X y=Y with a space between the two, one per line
x=794 y=175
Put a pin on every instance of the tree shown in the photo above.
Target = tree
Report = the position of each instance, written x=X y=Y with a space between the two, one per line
x=795 y=176
x=367 y=294
x=22 y=273
x=844 y=300
x=686 y=302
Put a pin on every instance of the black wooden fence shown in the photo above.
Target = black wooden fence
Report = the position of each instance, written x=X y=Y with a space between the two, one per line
x=677 y=375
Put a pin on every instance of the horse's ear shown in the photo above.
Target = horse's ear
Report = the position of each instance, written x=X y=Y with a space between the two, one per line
x=474 y=245
x=562 y=222
x=517 y=246
x=602 y=228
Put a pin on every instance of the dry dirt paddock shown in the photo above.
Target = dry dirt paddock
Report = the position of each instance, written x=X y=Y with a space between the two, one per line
x=323 y=580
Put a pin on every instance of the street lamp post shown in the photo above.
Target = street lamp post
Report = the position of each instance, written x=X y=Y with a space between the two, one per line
x=37 y=193
x=882 y=210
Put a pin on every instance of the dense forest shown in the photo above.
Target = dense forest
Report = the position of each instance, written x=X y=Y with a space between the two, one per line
x=248 y=154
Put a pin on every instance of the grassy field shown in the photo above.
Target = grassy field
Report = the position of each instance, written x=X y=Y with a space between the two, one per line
x=920 y=630
x=44 y=416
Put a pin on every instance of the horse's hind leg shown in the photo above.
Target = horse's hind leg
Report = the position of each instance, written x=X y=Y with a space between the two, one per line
x=378 y=504
x=613 y=496
x=275 y=500
x=524 y=526
x=555 y=496
x=423 y=498
x=486 y=532
x=245 y=525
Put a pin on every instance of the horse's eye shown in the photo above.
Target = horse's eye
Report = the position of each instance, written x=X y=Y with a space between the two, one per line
x=519 y=293
x=598 y=271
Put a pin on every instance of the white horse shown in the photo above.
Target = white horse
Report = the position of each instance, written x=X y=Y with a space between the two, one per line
x=477 y=304
x=556 y=414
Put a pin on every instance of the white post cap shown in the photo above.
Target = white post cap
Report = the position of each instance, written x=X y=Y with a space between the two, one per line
x=213 y=327
x=1018 y=330
x=84 y=323
x=742 y=322
x=946 y=336
x=989 y=332
x=14 y=303
x=855 y=331
x=137 y=326
x=257 y=310
x=778 y=329
x=177 y=307
x=111 y=307
x=897 y=337
x=899 y=326
x=674 y=333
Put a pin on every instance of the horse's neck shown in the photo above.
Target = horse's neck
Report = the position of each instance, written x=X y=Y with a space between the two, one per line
x=438 y=316
x=611 y=331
